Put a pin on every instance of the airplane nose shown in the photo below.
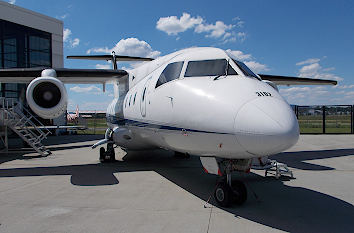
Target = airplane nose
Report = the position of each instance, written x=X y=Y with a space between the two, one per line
x=266 y=126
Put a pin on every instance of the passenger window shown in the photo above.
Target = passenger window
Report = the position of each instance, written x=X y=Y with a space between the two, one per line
x=171 y=72
x=134 y=98
x=144 y=94
x=209 y=68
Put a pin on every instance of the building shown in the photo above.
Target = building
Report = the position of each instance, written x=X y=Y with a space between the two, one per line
x=28 y=39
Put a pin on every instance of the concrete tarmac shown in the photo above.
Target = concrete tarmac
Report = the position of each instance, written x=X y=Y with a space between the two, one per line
x=152 y=191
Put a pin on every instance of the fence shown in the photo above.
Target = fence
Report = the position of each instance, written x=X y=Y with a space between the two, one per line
x=95 y=123
x=317 y=119
x=325 y=119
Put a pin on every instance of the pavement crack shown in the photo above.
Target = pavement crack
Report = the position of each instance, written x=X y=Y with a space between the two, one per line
x=211 y=210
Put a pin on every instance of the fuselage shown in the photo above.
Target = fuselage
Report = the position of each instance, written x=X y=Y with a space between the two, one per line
x=204 y=102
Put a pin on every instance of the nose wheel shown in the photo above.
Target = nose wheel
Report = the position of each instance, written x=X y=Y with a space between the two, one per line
x=225 y=194
x=107 y=156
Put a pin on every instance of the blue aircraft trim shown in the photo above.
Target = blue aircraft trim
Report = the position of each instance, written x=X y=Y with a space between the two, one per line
x=128 y=122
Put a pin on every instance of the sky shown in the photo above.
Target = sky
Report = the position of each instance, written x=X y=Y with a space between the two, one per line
x=309 y=38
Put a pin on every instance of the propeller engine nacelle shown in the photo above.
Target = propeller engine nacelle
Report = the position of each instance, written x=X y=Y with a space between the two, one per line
x=47 y=97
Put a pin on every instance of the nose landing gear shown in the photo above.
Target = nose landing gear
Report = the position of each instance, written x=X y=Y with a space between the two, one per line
x=225 y=195
x=227 y=191
x=109 y=155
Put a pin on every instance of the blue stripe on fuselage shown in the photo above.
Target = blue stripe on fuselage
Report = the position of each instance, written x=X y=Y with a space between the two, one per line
x=127 y=122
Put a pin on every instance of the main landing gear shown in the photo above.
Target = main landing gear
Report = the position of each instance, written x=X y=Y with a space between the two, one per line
x=227 y=191
x=109 y=155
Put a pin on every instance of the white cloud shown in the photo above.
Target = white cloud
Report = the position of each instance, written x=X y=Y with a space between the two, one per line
x=310 y=70
x=101 y=66
x=344 y=86
x=66 y=34
x=350 y=93
x=91 y=89
x=315 y=70
x=67 y=38
x=239 y=22
x=12 y=1
x=172 y=25
x=240 y=55
x=241 y=36
x=308 y=61
x=316 y=95
x=295 y=89
x=215 y=30
x=130 y=47
x=256 y=66
x=229 y=37
x=75 y=42
x=308 y=95
x=249 y=61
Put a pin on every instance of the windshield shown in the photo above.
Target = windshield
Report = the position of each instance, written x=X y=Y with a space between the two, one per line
x=245 y=70
x=209 y=68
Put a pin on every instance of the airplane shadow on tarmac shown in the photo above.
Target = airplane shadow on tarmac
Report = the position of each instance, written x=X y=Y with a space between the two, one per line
x=296 y=159
x=293 y=209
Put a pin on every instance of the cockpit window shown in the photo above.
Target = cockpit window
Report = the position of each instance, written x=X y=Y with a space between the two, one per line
x=209 y=68
x=171 y=72
x=246 y=71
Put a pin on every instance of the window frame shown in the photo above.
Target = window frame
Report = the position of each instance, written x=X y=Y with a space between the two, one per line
x=244 y=72
x=179 y=76
x=226 y=73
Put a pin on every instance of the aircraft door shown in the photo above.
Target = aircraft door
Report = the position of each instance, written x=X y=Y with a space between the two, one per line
x=143 y=100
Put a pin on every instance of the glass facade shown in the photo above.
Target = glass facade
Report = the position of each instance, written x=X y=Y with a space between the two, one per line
x=22 y=47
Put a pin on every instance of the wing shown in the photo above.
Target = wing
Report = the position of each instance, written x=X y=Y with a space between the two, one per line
x=26 y=75
x=114 y=58
x=110 y=57
x=285 y=80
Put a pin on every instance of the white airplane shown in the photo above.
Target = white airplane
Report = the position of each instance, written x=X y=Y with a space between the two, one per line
x=199 y=101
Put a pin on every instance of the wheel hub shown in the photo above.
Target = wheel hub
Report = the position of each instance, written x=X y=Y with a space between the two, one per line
x=220 y=194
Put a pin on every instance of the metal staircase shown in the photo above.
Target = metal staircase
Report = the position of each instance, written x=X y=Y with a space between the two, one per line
x=24 y=124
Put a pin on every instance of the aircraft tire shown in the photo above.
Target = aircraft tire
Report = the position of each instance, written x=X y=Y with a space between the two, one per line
x=222 y=194
x=112 y=157
x=111 y=153
x=239 y=192
x=102 y=155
